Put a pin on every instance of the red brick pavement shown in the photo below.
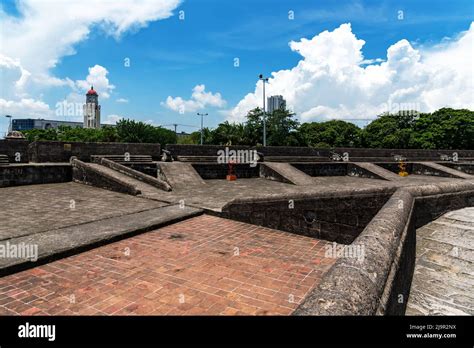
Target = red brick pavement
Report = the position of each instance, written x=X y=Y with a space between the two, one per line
x=202 y=266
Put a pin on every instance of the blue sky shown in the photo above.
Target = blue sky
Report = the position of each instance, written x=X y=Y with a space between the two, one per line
x=169 y=56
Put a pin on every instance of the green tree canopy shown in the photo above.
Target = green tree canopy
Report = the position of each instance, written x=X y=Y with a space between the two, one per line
x=389 y=131
x=335 y=133
x=443 y=129
x=130 y=131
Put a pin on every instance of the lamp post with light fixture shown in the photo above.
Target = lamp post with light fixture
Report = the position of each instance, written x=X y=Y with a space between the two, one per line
x=202 y=121
x=264 y=80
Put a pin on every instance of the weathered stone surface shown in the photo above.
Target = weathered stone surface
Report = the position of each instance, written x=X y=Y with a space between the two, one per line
x=180 y=175
x=97 y=175
x=444 y=270
x=60 y=151
x=16 y=150
x=454 y=172
x=53 y=243
x=380 y=171
x=33 y=209
x=284 y=172
x=358 y=291
x=354 y=153
x=467 y=168
x=147 y=179
x=34 y=173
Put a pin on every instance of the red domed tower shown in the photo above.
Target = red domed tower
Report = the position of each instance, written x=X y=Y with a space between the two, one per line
x=92 y=109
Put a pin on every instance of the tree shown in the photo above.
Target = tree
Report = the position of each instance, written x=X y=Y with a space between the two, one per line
x=446 y=128
x=443 y=129
x=229 y=133
x=390 y=131
x=253 y=129
x=335 y=133
x=130 y=131
x=207 y=136
x=282 y=129
x=280 y=125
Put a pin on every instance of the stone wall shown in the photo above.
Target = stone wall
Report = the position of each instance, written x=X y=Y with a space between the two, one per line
x=11 y=147
x=220 y=171
x=415 y=168
x=145 y=168
x=462 y=167
x=154 y=181
x=322 y=169
x=84 y=173
x=336 y=216
x=59 y=151
x=24 y=174
x=380 y=282
x=357 y=153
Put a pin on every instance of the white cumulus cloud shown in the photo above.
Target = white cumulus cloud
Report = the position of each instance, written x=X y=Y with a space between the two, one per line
x=44 y=32
x=97 y=77
x=199 y=100
x=333 y=80
x=25 y=107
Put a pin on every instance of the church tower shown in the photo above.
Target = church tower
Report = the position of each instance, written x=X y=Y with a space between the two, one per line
x=92 y=109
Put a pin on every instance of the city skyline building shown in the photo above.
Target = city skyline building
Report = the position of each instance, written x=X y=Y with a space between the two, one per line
x=275 y=102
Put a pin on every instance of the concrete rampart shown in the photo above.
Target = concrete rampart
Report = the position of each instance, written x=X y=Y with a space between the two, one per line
x=60 y=151
x=379 y=282
x=90 y=175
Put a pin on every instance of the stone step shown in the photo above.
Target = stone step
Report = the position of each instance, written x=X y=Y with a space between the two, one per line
x=180 y=175
x=197 y=159
x=4 y=160
x=140 y=186
x=122 y=159
x=382 y=172
x=450 y=171
x=285 y=172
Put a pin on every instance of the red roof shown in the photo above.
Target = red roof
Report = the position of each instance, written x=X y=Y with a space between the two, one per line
x=91 y=91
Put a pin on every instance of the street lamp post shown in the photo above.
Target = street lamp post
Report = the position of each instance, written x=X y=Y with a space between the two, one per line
x=202 y=118
x=264 y=80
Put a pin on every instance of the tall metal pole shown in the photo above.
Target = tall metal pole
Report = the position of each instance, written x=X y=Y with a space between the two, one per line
x=202 y=129
x=264 y=80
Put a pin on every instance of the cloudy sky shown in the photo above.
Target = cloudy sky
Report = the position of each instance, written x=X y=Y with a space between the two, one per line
x=162 y=61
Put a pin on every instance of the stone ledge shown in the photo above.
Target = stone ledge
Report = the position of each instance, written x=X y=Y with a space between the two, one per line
x=361 y=283
x=162 y=185
x=87 y=174
x=389 y=244
x=350 y=192
x=63 y=242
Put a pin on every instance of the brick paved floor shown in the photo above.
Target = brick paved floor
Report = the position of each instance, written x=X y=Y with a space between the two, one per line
x=204 y=265
x=35 y=208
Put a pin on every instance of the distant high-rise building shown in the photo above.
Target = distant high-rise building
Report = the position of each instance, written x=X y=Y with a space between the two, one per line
x=92 y=109
x=275 y=102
